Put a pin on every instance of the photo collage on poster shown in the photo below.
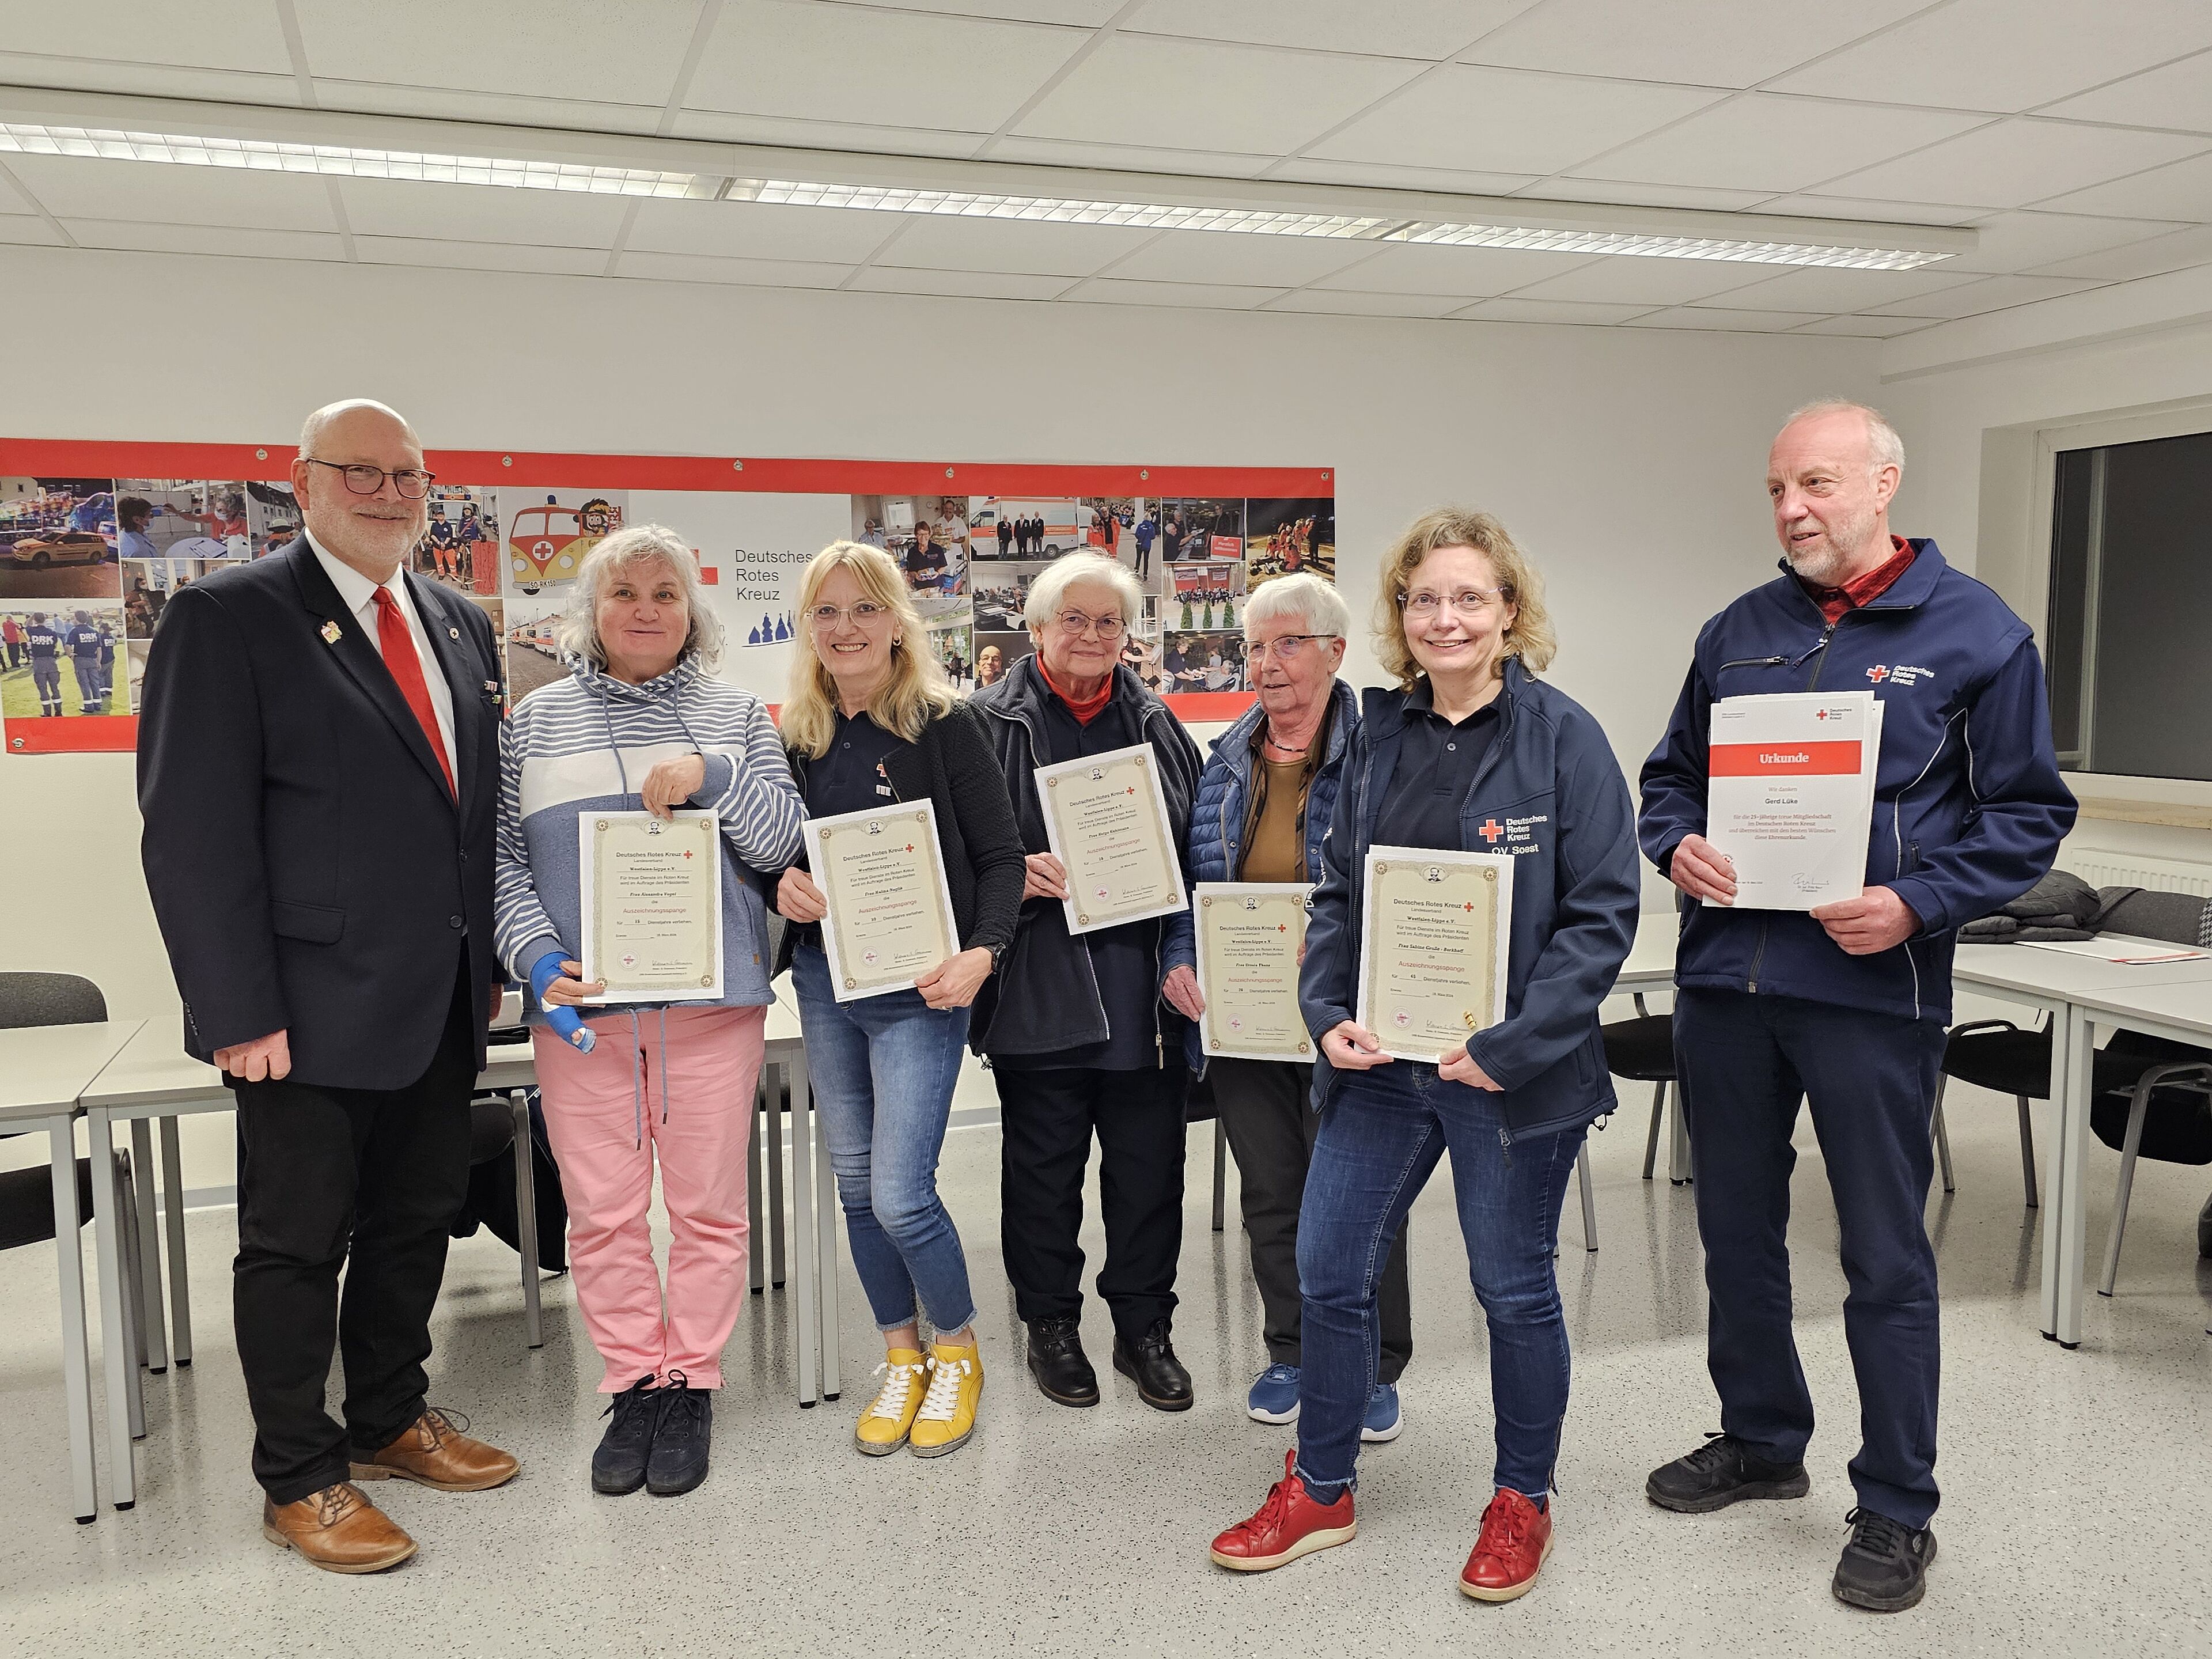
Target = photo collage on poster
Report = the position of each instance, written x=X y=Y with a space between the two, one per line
x=1196 y=561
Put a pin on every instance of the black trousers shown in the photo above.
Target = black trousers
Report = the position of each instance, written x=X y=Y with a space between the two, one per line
x=365 y=1179
x=1265 y=1105
x=1047 y=1119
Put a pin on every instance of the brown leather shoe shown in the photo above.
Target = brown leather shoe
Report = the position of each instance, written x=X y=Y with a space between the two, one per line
x=337 y=1529
x=435 y=1453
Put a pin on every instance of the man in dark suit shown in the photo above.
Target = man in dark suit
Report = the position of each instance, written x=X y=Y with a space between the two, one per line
x=319 y=773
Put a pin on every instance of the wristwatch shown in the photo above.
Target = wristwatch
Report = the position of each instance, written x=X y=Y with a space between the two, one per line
x=998 y=954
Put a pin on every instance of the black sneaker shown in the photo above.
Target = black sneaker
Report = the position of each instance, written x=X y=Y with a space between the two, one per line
x=680 y=1438
x=1884 y=1566
x=1056 y=1359
x=1150 y=1362
x=1722 y=1471
x=618 y=1466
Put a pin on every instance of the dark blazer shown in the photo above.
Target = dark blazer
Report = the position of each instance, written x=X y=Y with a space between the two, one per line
x=310 y=870
x=953 y=764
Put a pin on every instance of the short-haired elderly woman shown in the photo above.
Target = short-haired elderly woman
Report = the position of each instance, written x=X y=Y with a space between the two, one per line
x=869 y=722
x=1264 y=802
x=641 y=722
x=1470 y=749
x=1078 y=1039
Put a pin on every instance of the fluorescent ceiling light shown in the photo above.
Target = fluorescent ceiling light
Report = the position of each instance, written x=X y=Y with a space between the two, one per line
x=259 y=156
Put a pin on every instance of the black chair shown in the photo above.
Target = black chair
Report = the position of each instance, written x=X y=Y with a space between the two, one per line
x=1642 y=1051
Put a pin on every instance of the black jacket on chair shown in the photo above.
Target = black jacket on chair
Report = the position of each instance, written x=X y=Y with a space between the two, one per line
x=310 y=869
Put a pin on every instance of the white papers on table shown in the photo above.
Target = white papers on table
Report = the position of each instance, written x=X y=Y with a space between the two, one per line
x=2113 y=948
x=1789 y=796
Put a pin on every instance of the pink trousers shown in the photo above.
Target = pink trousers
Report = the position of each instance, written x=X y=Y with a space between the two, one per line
x=677 y=1085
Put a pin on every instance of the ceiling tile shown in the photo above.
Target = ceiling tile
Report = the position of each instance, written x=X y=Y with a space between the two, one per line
x=1814 y=288
x=1758 y=142
x=2009 y=54
x=1392 y=28
x=1621 y=193
x=962 y=284
x=1729 y=322
x=752 y=273
x=948 y=243
x=1497 y=121
x=1646 y=282
x=1714 y=43
x=1472 y=273
x=1866 y=328
x=1310 y=169
x=447 y=104
x=755 y=230
x=1126 y=158
x=2028 y=239
x=1810 y=206
x=1200 y=256
x=158 y=192
x=26 y=229
x=1137 y=88
x=2009 y=163
x=1218 y=296
x=1336 y=302
x=149 y=80
x=206 y=238
x=595 y=51
x=211 y=33
x=2173 y=95
x=1550 y=311
x=2183 y=191
x=482 y=213
x=1079 y=13
x=11 y=199
x=479 y=255
x=901 y=69
x=2153 y=258
x=724 y=127
x=1990 y=294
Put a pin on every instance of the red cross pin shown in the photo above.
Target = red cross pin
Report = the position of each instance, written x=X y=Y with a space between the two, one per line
x=1491 y=831
x=1877 y=673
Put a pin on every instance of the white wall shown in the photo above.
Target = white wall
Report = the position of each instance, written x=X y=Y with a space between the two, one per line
x=1628 y=462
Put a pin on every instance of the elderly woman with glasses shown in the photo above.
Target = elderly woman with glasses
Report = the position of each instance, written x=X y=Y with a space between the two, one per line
x=1264 y=803
x=1078 y=1039
x=641 y=721
x=1470 y=752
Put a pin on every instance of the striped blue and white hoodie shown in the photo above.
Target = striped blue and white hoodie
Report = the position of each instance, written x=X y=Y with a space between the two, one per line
x=585 y=744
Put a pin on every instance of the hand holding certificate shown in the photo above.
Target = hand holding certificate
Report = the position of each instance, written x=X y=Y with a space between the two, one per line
x=1107 y=824
x=1436 y=927
x=1789 y=796
x=889 y=917
x=1249 y=936
x=652 y=892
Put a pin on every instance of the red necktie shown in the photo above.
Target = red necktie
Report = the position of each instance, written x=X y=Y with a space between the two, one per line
x=394 y=639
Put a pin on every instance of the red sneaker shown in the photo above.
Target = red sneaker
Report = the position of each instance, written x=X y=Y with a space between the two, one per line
x=1288 y=1525
x=1516 y=1542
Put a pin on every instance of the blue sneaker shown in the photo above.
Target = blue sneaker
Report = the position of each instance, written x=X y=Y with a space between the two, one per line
x=1383 y=1420
x=1275 y=1396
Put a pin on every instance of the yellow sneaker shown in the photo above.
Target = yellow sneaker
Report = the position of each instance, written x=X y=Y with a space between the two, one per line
x=883 y=1427
x=947 y=1416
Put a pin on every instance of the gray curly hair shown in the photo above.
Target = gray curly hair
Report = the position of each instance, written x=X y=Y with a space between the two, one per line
x=578 y=635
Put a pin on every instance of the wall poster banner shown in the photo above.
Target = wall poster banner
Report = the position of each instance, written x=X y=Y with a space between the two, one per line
x=97 y=538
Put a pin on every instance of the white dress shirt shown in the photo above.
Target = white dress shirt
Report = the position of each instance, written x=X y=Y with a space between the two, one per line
x=358 y=594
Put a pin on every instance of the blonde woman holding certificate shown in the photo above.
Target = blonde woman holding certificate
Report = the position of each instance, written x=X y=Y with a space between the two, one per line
x=870 y=724
x=1470 y=753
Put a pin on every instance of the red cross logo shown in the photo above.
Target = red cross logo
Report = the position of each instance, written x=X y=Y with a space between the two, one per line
x=1877 y=673
x=1469 y=908
x=910 y=847
x=1491 y=830
x=687 y=855
x=1820 y=715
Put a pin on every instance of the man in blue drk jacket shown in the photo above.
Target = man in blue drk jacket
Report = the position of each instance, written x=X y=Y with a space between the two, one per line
x=1845 y=1005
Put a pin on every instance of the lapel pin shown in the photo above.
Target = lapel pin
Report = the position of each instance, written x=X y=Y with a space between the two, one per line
x=452 y=633
x=330 y=632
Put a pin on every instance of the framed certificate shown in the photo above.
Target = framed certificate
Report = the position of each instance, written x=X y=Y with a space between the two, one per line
x=1435 y=930
x=1249 y=939
x=652 y=892
x=890 y=912
x=1107 y=824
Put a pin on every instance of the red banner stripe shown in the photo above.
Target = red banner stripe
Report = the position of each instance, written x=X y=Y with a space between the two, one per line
x=73 y=734
x=1803 y=760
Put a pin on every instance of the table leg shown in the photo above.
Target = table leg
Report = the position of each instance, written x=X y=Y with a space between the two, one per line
x=526 y=1218
x=775 y=1184
x=2073 y=1206
x=149 y=1246
x=77 y=1366
x=806 y=1334
x=115 y=1339
x=180 y=1290
x=2054 y=1166
x=1677 y=1148
x=825 y=1211
x=754 y=1151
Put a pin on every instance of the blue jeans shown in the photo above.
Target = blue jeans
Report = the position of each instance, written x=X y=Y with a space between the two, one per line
x=883 y=1069
x=1380 y=1138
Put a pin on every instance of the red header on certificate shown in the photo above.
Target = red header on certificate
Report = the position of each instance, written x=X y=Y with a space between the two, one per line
x=1803 y=760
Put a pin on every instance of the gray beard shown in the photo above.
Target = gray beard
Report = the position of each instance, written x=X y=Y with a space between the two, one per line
x=1844 y=544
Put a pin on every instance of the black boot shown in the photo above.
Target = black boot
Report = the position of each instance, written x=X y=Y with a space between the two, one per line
x=1150 y=1362
x=1722 y=1471
x=1057 y=1361
x=680 y=1438
x=1884 y=1566
x=618 y=1466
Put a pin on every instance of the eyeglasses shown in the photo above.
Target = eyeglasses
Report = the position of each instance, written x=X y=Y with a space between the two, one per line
x=1287 y=647
x=866 y=612
x=1075 y=625
x=1467 y=602
x=412 y=482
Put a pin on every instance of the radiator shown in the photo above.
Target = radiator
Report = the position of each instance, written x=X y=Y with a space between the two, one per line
x=2105 y=869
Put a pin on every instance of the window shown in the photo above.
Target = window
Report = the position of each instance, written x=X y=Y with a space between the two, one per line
x=2130 y=610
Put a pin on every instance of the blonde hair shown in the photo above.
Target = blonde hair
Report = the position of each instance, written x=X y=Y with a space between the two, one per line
x=915 y=691
x=577 y=634
x=1530 y=637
